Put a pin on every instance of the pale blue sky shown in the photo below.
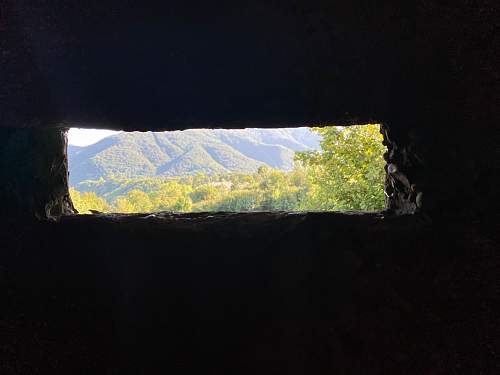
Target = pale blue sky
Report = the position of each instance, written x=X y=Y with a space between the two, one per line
x=85 y=137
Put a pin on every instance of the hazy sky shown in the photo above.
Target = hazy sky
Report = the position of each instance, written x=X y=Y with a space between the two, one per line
x=85 y=137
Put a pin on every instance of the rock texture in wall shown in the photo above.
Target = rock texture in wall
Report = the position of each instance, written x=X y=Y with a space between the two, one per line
x=34 y=173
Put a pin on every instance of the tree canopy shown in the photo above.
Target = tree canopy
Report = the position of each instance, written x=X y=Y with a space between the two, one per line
x=348 y=173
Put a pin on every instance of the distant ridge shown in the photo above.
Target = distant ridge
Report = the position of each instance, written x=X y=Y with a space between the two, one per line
x=180 y=153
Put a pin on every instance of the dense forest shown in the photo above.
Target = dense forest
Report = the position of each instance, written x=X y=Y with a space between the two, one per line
x=347 y=173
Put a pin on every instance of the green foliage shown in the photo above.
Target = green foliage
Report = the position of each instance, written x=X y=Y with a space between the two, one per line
x=204 y=193
x=172 y=196
x=347 y=174
x=84 y=202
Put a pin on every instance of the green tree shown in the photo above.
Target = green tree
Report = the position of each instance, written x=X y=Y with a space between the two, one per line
x=204 y=193
x=140 y=200
x=123 y=205
x=348 y=172
x=238 y=201
x=172 y=196
x=84 y=202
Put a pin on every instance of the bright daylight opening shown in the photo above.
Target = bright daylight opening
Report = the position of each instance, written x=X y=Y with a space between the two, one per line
x=289 y=169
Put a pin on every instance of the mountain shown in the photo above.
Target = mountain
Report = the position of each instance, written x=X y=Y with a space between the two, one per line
x=178 y=153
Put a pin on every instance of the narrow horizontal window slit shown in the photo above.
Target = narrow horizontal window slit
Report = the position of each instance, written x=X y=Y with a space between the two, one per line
x=328 y=168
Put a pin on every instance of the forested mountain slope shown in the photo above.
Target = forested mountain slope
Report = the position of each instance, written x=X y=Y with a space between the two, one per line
x=188 y=152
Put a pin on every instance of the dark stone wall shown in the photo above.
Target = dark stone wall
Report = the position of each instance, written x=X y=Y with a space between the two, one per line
x=34 y=173
x=256 y=293
x=181 y=64
x=250 y=293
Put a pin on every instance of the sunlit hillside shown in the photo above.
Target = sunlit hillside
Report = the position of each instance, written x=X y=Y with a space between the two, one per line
x=181 y=153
